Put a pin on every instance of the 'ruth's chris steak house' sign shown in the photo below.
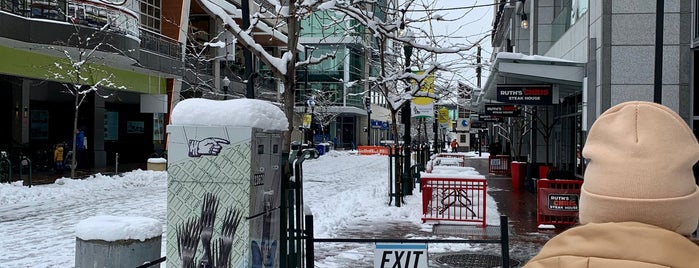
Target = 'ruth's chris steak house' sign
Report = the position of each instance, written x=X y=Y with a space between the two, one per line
x=525 y=94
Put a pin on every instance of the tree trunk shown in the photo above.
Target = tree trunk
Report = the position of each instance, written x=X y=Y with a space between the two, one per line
x=75 y=137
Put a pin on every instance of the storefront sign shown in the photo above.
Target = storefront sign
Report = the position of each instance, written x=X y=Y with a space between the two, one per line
x=478 y=124
x=490 y=118
x=525 y=94
x=502 y=110
x=563 y=202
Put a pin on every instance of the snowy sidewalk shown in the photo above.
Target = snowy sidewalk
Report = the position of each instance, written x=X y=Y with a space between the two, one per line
x=347 y=193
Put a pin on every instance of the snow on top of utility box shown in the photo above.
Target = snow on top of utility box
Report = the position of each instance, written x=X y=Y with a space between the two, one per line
x=236 y=113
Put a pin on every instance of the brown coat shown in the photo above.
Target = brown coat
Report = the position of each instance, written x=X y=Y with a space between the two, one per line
x=619 y=245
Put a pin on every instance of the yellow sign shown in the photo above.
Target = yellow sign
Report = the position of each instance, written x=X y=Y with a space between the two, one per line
x=307 y=118
x=443 y=115
x=428 y=87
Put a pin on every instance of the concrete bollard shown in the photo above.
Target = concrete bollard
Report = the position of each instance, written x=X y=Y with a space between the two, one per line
x=110 y=241
x=157 y=164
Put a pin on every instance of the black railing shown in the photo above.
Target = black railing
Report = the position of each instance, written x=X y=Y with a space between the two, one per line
x=503 y=240
x=158 y=43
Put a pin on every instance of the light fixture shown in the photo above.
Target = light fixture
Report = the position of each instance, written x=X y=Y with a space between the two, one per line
x=525 y=21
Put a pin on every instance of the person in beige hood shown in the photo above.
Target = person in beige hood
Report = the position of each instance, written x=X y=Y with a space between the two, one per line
x=639 y=202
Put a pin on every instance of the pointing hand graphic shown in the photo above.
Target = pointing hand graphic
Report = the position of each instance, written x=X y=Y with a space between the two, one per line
x=207 y=146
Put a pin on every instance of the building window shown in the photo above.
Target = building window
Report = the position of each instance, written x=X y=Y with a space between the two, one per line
x=150 y=15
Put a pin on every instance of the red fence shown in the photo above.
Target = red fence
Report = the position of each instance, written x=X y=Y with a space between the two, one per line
x=454 y=199
x=558 y=201
x=499 y=165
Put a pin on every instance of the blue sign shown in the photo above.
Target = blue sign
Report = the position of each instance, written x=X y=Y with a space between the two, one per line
x=384 y=125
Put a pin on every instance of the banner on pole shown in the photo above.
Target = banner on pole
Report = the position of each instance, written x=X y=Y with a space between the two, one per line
x=423 y=107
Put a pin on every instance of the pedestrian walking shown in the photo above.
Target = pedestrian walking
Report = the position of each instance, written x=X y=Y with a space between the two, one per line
x=81 y=148
x=454 y=145
x=58 y=157
x=638 y=202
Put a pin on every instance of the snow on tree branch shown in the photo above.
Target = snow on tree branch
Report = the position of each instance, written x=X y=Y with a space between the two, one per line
x=278 y=65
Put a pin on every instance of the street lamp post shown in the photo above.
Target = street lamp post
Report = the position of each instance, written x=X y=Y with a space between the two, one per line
x=310 y=104
x=407 y=141
x=367 y=103
x=226 y=83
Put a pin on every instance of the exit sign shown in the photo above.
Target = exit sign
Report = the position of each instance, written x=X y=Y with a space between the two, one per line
x=392 y=255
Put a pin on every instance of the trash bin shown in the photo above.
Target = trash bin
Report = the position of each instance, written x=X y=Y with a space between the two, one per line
x=321 y=149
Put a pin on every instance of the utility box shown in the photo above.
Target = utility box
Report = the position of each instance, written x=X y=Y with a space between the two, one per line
x=232 y=171
x=224 y=186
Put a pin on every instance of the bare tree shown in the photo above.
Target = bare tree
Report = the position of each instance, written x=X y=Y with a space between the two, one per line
x=325 y=109
x=545 y=127
x=391 y=81
x=79 y=73
x=514 y=130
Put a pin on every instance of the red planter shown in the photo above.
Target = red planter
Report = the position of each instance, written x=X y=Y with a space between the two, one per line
x=518 y=170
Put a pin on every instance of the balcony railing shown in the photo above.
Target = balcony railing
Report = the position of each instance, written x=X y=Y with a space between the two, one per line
x=121 y=21
x=161 y=44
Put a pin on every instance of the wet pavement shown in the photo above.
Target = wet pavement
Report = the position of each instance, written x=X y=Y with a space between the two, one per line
x=520 y=206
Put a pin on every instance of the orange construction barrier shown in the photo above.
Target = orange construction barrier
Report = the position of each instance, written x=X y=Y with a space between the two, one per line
x=558 y=201
x=372 y=150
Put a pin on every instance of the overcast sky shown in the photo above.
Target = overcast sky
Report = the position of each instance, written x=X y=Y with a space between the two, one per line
x=464 y=23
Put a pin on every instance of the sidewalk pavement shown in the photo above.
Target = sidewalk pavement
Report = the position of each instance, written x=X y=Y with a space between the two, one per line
x=520 y=206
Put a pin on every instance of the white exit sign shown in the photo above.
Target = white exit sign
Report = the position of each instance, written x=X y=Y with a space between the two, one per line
x=396 y=255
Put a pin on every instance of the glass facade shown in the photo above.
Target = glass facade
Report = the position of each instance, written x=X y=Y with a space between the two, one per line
x=566 y=13
x=321 y=24
x=329 y=74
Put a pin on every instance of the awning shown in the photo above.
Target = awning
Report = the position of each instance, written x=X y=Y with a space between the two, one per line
x=517 y=68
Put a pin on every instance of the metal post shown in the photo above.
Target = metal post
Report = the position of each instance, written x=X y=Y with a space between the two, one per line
x=505 y=241
x=247 y=55
x=390 y=174
x=25 y=163
x=116 y=164
x=367 y=103
x=368 y=128
x=284 y=208
x=658 y=72
x=406 y=149
x=310 y=252
x=480 y=142
x=435 y=129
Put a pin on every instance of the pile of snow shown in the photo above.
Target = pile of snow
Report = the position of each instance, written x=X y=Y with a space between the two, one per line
x=235 y=113
x=113 y=228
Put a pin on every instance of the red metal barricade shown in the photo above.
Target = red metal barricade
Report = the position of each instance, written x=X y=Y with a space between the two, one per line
x=454 y=199
x=499 y=165
x=558 y=201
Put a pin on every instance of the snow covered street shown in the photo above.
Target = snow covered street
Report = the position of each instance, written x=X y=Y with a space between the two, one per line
x=347 y=194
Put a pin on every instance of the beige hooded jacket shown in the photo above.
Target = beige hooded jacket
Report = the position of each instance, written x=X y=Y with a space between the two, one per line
x=618 y=245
